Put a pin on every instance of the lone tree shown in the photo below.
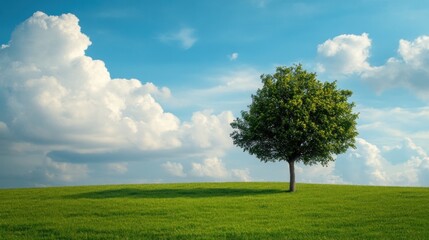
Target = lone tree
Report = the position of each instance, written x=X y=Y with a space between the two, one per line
x=294 y=117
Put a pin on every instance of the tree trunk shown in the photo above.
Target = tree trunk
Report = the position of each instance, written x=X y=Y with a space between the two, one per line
x=291 y=176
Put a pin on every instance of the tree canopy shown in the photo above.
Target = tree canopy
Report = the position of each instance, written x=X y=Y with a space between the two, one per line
x=295 y=117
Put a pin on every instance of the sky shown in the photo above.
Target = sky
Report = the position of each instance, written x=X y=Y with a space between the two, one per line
x=116 y=92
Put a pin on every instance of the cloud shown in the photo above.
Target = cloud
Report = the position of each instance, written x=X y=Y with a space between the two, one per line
x=373 y=162
x=390 y=125
x=185 y=37
x=57 y=94
x=118 y=168
x=66 y=97
x=374 y=165
x=391 y=150
x=242 y=175
x=226 y=87
x=415 y=53
x=62 y=102
x=211 y=167
x=393 y=131
x=209 y=131
x=240 y=80
x=214 y=167
x=318 y=174
x=368 y=164
x=175 y=169
x=409 y=70
x=348 y=54
x=233 y=56
x=66 y=172
x=344 y=54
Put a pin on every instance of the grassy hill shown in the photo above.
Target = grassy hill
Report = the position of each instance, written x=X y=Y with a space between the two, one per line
x=215 y=211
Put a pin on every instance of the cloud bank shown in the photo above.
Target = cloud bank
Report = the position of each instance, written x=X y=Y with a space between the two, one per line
x=368 y=164
x=57 y=99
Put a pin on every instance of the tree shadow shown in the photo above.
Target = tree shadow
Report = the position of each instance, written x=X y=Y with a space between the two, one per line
x=173 y=193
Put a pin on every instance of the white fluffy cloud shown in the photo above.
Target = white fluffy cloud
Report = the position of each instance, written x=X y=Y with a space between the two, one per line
x=211 y=167
x=393 y=151
x=209 y=131
x=384 y=157
x=185 y=37
x=368 y=158
x=415 y=53
x=345 y=54
x=55 y=93
x=404 y=164
x=349 y=54
x=56 y=98
x=409 y=70
x=242 y=175
x=214 y=167
x=175 y=169
x=371 y=164
x=65 y=172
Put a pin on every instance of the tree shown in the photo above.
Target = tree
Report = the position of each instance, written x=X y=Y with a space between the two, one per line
x=296 y=118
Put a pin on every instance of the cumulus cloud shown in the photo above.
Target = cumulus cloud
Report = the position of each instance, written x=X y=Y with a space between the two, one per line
x=175 y=169
x=185 y=37
x=59 y=100
x=368 y=164
x=403 y=164
x=55 y=93
x=209 y=131
x=211 y=167
x=214 y=167
x=415 y=53
x=349 y=54
x=66 y=96
x=242 y=175
x=66 y=172
x=372 y=162
x=408 y=70
x=345 y=54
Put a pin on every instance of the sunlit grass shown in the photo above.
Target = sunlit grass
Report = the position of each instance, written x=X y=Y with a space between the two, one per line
x=215 y=211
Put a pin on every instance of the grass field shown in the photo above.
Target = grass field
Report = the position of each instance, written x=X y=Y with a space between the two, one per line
x=215 y=211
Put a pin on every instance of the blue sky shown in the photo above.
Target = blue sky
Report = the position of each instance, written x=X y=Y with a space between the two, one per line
x=101 y=92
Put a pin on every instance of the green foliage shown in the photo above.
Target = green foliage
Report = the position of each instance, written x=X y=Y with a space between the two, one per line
x=295 y=117
x=214 y=211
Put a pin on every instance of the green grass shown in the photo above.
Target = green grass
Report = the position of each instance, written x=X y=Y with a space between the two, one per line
x=215 y=211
